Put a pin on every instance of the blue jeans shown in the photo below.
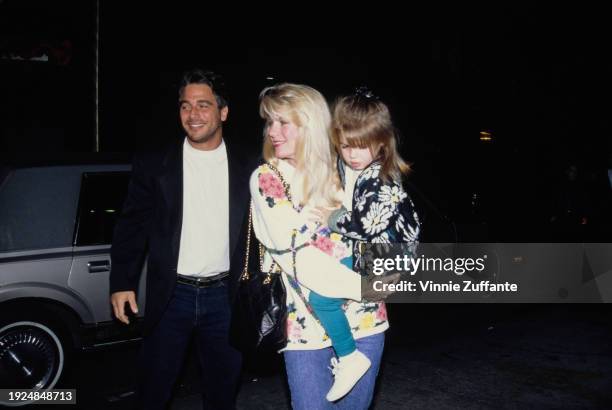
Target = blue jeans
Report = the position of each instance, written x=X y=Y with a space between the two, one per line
x=205 y=312
x=310 y=378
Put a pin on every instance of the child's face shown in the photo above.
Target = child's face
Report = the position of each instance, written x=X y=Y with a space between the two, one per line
x=356 y=158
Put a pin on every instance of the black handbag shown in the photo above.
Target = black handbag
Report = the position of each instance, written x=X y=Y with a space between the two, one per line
x=259 y=316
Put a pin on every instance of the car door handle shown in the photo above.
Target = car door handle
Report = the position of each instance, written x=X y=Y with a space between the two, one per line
x=98 y=266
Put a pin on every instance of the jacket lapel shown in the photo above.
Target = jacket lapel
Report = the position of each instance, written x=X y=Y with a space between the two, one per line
x=238 y=192
x=171 y=181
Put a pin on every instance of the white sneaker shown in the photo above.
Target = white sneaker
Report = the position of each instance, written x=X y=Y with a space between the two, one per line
x=347 y=373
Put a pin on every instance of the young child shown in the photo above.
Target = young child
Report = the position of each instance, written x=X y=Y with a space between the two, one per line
x=376 y=209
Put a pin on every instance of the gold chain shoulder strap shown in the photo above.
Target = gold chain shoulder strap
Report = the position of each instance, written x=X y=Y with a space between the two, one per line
x=245 y=270
x=274 y=268
x=292 y=281
x=282 y=179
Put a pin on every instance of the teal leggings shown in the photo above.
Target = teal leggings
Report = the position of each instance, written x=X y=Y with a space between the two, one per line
x=330 y=314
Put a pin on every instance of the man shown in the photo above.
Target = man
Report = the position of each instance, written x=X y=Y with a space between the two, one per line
x=186 y=206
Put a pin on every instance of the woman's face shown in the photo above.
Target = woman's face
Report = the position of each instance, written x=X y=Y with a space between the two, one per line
x=283 y=135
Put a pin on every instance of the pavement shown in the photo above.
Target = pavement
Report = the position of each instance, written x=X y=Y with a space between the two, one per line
x=436 y=357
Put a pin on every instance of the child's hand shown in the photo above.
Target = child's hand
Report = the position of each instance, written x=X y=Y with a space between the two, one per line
x=321 y=214
x=369 y=294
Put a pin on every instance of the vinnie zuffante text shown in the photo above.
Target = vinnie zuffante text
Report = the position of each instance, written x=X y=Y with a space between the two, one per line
x=457 y=266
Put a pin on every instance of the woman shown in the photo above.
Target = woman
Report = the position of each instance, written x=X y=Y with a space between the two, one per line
x=300 y=174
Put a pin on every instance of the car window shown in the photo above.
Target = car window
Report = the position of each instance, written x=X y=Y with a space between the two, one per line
x=102 y=196
x=38 y=207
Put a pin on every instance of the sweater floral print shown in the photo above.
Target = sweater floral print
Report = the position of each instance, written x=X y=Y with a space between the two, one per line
x=317 y=264
x=382 y=213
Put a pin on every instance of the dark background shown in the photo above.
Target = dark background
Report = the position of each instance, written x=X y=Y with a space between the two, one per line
x=536 y=77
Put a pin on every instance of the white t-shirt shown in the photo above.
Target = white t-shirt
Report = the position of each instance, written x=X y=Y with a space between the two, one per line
x=204 y=248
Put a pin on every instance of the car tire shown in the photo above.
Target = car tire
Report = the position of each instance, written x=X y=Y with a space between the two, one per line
x=33 y=353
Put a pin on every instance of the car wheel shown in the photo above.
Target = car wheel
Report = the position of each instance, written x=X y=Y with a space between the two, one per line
x=32 y=355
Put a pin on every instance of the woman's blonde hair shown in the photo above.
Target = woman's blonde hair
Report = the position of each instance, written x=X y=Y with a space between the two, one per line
x=315 y=166
x=365 y=122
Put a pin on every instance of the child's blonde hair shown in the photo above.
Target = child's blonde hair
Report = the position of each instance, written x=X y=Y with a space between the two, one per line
x=315 y=166
x=365 y=122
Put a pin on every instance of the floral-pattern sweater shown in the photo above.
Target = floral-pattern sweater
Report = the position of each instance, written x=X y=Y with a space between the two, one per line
x=382 y=212
x=280 y=225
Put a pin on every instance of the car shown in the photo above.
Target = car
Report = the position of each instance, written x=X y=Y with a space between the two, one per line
x=56 y=224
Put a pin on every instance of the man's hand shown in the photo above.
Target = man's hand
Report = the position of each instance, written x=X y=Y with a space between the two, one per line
x=118 y=300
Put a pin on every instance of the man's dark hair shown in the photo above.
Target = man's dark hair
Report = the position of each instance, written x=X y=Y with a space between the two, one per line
x=214 y=81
